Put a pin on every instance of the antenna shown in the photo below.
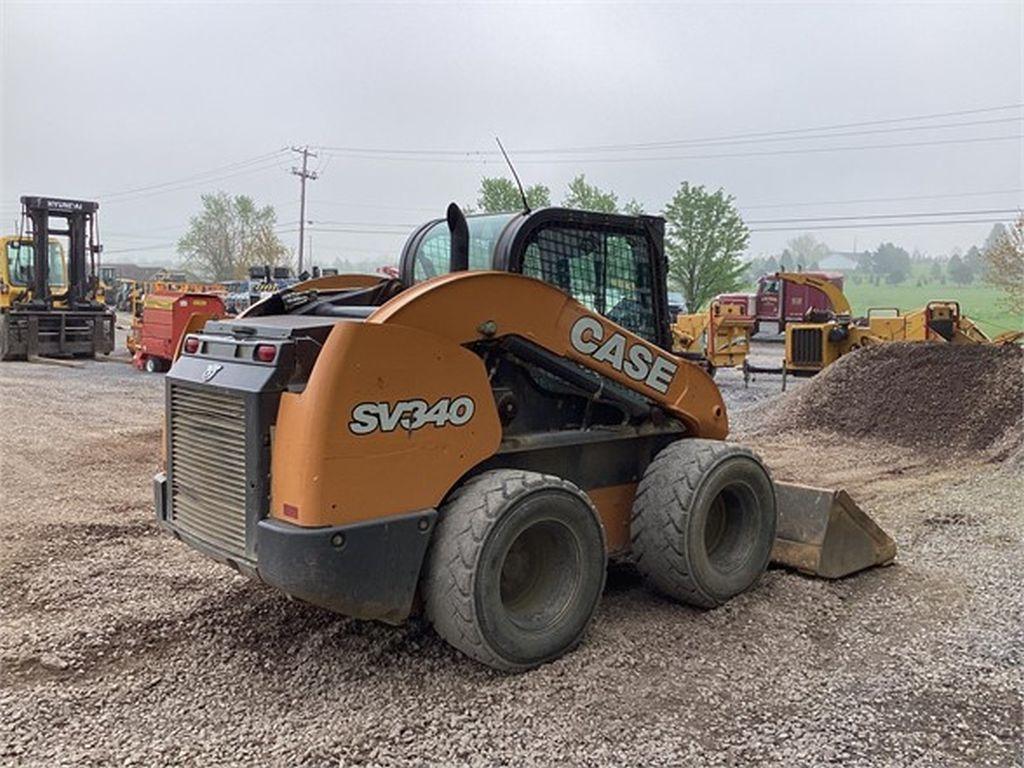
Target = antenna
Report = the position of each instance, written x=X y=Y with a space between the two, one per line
x=522 y=192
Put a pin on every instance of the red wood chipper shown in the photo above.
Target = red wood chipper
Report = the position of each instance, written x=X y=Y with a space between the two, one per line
x=166 y=317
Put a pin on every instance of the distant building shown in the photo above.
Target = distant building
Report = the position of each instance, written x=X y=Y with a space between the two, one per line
x=130 y=271
x=838 y=262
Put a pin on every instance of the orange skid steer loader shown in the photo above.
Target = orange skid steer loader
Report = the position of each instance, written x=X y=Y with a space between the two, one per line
x=475 y=438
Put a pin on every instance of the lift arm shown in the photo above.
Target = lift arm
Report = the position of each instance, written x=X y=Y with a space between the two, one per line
x=464 y=307
x=832 y=292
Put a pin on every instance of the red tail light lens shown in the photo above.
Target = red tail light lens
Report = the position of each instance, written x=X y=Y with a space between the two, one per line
x=191 y=345
x=265 y=353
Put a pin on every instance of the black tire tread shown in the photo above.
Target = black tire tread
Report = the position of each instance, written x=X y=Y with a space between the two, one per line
x=661 y=514
x=463 y=523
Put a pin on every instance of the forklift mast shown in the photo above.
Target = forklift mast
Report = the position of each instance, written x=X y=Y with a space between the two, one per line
x=79 y=217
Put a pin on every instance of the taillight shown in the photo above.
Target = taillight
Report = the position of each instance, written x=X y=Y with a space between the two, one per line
x=265 y=353
x=191 y=345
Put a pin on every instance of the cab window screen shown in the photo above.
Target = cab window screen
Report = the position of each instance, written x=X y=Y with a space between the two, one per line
x=607 y=272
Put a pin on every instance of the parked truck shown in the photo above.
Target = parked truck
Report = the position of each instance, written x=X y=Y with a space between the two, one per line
x=779 y=301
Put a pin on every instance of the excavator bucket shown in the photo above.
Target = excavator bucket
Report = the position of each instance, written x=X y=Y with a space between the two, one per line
x=822 y=532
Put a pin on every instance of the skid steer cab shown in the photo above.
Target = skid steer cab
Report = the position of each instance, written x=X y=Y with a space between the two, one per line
x=474 y=438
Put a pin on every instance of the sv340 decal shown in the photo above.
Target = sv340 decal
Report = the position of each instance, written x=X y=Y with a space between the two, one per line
x=410 y=415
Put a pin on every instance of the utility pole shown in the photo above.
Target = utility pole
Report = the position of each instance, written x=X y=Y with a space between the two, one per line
x=304 y=174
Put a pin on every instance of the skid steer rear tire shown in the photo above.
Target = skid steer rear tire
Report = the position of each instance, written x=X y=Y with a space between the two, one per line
x=704 y=521
x=516 y=568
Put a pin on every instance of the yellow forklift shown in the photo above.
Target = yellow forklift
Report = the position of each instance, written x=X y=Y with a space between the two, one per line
x=51 y=306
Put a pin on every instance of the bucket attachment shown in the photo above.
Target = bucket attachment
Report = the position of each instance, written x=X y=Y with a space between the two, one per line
x=824 y=533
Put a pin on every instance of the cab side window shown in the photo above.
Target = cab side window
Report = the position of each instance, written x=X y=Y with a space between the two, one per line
x=607 y=272
x=434 y=254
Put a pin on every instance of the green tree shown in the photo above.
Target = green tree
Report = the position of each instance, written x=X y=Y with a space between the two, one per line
x=229 y=235
x=935 y=272
x=959 y=272
x=588 y=197
x=1004 y=258
x=704 y=239
x=758 y=266
x=892 y=262
x=975 y=262
x=498 y=195
x=786 y=263
x=807 y=250
x=995 y=236
x=634 y=207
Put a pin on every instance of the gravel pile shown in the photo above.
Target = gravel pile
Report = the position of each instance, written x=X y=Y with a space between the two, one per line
x=120 y=646
x=942 y=396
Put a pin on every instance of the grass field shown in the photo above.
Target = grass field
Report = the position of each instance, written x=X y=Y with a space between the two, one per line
x=979 y=302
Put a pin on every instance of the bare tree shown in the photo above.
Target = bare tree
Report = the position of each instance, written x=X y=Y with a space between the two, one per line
x=1005 y=259
x=229 y=235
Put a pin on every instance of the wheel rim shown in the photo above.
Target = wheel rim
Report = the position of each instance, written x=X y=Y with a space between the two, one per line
x=540 y=575
x=730 y=528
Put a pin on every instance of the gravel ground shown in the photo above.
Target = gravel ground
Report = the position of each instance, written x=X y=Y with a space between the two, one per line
x=120 y=646
x=968 y=395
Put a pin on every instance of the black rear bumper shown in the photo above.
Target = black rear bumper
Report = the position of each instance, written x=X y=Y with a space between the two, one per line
x=366 y=570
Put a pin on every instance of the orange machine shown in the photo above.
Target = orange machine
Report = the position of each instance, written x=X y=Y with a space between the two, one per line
x=166 y=317
x=474 y=438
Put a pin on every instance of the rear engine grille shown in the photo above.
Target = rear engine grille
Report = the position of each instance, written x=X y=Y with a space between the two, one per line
x=806 y=345
x=207 y=457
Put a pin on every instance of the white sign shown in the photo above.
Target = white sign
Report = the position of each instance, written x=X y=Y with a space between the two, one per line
x=638 y=361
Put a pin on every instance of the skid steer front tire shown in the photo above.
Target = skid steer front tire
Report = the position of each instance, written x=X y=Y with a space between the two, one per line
x=704 y=521
x=516 y=568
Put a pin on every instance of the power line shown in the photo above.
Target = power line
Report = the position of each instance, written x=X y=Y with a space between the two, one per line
x=881 y=199
x=682 y=143
x=163 y=246
x=192 y=185
x=874 y=225
x=195 y=176
x=357 y=231
x=327 y=222
x=802 y=151
x=692 y=141
x=788 y=135
x=869 y=216
x=668 y=158
x=344 y=204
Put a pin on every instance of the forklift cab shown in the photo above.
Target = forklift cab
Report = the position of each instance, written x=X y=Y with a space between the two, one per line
x=16 y=267
x=612 y=264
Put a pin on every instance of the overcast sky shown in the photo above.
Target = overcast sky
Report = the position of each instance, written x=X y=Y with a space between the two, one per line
x=113 y=102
